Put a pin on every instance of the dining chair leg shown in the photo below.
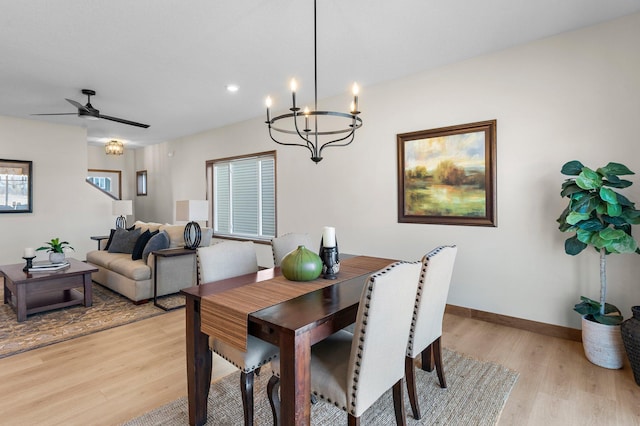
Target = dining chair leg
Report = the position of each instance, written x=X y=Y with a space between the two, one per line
x=352 y=420
x=398 y=404
x=437 y=355
x=272 y=392
x=246 y=389
x=410 y=377
x=427 y=358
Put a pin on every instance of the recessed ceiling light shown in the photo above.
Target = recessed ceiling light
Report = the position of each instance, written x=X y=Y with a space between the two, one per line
x=232 y=88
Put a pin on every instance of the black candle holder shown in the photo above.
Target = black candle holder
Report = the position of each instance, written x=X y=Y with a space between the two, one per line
x=330 y=262
x=29 y=264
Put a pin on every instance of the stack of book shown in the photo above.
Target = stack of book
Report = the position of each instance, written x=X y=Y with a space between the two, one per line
x=47 y=266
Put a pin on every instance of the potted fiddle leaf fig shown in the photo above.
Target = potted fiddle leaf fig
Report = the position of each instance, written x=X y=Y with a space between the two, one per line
x=600 y=217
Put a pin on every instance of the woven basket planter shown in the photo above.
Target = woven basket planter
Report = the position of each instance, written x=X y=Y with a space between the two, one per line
x=602 y=344
x=631 y=337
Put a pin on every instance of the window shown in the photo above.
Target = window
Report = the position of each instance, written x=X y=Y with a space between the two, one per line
x=15 y=186
x=244 y=196
x=108 y=181
x=141 y=182
x=101 y=182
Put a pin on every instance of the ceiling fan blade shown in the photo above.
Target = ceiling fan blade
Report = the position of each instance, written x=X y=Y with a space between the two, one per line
x=123 y=121
x=77 y=105
x=60 y=113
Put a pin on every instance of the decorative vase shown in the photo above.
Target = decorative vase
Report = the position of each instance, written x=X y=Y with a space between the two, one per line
x=602 y=344
x=56 y=257
x=301 y=264
x=630 y=331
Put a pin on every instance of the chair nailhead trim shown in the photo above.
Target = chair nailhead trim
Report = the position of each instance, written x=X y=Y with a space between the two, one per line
x=423 y=274
x=246 y=369
x=363 y=330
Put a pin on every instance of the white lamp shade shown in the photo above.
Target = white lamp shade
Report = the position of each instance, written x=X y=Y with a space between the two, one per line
x=122 y=207
x=192 y=210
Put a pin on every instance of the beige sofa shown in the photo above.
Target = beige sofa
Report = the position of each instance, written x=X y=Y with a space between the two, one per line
x=134 y=278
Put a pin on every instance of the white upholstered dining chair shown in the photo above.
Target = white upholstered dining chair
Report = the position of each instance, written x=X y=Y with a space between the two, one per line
x=426 y=327
x=226 y=260
x=283 y=244
x=352 y=371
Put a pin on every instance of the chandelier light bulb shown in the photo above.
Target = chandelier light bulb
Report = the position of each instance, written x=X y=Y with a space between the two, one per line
x=268 y=104
x=355 y=89
x=293 y=85
x=306 y=120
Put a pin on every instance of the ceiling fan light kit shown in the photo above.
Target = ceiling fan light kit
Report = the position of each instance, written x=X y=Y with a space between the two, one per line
x=314 y=139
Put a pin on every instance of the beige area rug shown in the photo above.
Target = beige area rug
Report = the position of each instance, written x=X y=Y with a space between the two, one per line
x=476 y=393
x=109 y=310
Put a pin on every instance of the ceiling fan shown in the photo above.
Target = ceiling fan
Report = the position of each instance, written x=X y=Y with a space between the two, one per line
x=89 y=112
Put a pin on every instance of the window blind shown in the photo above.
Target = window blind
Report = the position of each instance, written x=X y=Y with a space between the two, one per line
x=244 y=197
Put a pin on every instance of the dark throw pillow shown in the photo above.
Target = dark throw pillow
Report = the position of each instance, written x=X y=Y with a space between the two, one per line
x=140 y=244
x=106 y=247
x=159 y=241
x=123 y=241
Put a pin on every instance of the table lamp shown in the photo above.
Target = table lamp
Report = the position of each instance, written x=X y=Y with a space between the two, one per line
x=192 y=211
x=122 y=208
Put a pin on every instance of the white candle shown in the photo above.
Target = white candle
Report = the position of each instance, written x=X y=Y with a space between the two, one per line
x=268 y=102
x=329 y=236
x=306 y=119
x=29 y=252
x=294 y=87
x=356 y=90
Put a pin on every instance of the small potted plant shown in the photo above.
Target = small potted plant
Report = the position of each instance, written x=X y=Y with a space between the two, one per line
x=599 y=217
x=56 y=248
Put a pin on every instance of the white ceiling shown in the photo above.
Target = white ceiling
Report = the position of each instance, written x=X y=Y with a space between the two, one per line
x=167 y=62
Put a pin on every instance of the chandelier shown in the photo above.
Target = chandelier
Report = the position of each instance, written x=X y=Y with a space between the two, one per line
x=341 y=126
x=114 y=148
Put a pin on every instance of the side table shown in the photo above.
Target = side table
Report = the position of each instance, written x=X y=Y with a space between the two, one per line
x=181 y=251
x=99 y=238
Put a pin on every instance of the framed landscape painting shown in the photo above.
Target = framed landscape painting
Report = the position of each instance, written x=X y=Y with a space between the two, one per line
x=16 y=183
x=447 y=176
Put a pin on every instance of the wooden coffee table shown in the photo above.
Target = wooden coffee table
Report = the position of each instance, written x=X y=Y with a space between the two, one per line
x=29 y=293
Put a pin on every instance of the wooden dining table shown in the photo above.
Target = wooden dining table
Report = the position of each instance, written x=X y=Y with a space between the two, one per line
x=293 y=325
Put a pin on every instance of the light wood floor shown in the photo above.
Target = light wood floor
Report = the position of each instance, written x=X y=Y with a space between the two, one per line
x=112 y=376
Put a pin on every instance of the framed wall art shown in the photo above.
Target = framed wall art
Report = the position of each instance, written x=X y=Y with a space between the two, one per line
x=447 y=176
x=16 y=186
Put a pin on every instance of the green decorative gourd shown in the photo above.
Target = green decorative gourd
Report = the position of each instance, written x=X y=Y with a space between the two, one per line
x=301 y=264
